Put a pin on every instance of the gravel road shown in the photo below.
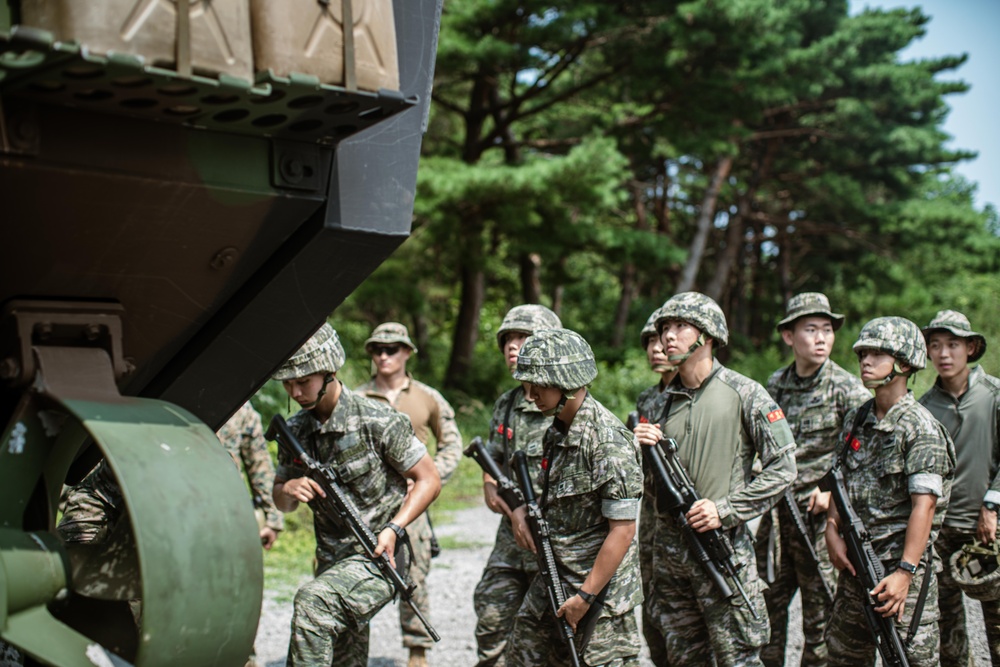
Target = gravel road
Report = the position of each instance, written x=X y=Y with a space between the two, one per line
x=452 y=579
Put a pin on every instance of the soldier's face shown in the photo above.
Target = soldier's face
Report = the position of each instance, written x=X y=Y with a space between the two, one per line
x=390 y=359
x=512 y=342
x=811 y=339
x=677 y=337
x=874 y=364
x=655 y=355
x=305 y=390
x=948 y=353
x=544 y=398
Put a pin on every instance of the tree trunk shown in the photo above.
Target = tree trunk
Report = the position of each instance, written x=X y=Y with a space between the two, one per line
x=466 y=327
x=705 y=217
x=730 y=256
x=531 y=283
x=624 y=304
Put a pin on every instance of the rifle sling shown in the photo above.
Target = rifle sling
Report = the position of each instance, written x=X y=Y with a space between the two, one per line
x=918 y=608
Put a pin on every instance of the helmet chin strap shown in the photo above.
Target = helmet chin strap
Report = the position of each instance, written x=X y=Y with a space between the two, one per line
x=559 y=406
x=893 y=374
x=327 y=379
x=677 y=359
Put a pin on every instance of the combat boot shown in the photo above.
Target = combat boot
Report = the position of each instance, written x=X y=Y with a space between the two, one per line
x=418 y=657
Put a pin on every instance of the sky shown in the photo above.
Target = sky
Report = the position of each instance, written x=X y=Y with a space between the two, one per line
x=956 y=27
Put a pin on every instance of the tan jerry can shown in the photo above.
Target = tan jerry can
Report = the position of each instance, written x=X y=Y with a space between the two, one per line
x=308 y=37
x=212 y=37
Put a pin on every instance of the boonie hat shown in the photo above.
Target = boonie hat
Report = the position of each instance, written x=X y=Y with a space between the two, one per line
x=388 y=333
x=957 y=324
x=809 y=303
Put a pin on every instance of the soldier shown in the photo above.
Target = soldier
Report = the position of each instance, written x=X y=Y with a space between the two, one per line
x=721 y=421
x=390 y=348
x=374 y=453
x=967 y=402
x=243 y=438
x=815 y=394
x=591 y=483
x=898 y=463
x=649 y=405
x=516 y=425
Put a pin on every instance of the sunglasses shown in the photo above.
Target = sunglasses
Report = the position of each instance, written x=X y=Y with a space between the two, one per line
x=388 y=350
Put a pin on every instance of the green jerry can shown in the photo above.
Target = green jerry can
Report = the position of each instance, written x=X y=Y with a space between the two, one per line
x=188 y=188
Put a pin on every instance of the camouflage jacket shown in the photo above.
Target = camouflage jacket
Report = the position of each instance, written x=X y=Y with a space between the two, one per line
x=973 y=421
x=516 y=425
x=369 y=445
x=594 y=476
x=905 y=452
x=243 y=438
x=732 y=418
x=91 y=508
x=429 y=413
x=815 y=407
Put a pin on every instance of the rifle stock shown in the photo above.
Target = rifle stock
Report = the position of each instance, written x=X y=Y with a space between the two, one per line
x=339 y=506
x=868 y=568
x=506 y=488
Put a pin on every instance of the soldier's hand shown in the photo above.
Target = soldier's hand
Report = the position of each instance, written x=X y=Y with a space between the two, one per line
x=704 y=515
x=819 y=501
x=522 y=533
x=493 y=499
x=837 y=548
x=648 y=434
x=573 y=610
x=387 y=544
x=268 y=536
x=986 y=530
x=892 y=591
x=303 y=489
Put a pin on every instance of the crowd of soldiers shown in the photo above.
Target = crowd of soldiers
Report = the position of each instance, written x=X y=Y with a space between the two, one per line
x=922 y=477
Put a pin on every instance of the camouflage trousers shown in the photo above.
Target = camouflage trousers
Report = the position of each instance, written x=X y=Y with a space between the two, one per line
x=413 y=631
x=951 y=602
x=10 y=656
x=849 y=639
x=331 y=615
x=535 y=640
x=796 y=570
x=700 y=626
x=497 y=598
x=655 y=641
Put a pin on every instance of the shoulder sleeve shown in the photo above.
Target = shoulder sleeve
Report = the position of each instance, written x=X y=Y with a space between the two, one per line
x=449 y=439
x=394 y=438
x=929 y=447
x=616 y=473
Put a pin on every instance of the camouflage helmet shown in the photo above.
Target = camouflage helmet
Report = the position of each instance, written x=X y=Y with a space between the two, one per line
x=649 y=328
x=556 y=358
x=699 y=310
x=897 y=336
x=976 y=570
x=321 y=353
x=528 y=318
x=388 y=333
x=957 y=324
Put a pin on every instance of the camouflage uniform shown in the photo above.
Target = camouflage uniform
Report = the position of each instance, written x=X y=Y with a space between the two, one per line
x=516 y=425
x=429 y=412
x=906 y=452
x=728 y=418
x=973 y=420
x=92 y=508
x=369 y=446
x=243 y=438
x=814 y=407
x=594 y=476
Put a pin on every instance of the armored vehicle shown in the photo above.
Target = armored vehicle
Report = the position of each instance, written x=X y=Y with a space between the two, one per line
x=188 y=188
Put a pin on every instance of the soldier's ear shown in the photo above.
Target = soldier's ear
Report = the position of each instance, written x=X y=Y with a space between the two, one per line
x=786 y=335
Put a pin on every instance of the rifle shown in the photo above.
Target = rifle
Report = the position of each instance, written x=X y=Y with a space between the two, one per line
x=506 y=488
x=868 y=567
x=800 y=525
x=339 y=506
x=547 y=567
x=675 y=495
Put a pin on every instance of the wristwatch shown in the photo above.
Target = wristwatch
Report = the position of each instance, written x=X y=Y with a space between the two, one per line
x=400 y=533
x=993 y=507
x=589 y=598
x=909 y=567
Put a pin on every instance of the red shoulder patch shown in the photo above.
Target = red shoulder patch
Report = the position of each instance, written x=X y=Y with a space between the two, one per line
x=775 y=415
